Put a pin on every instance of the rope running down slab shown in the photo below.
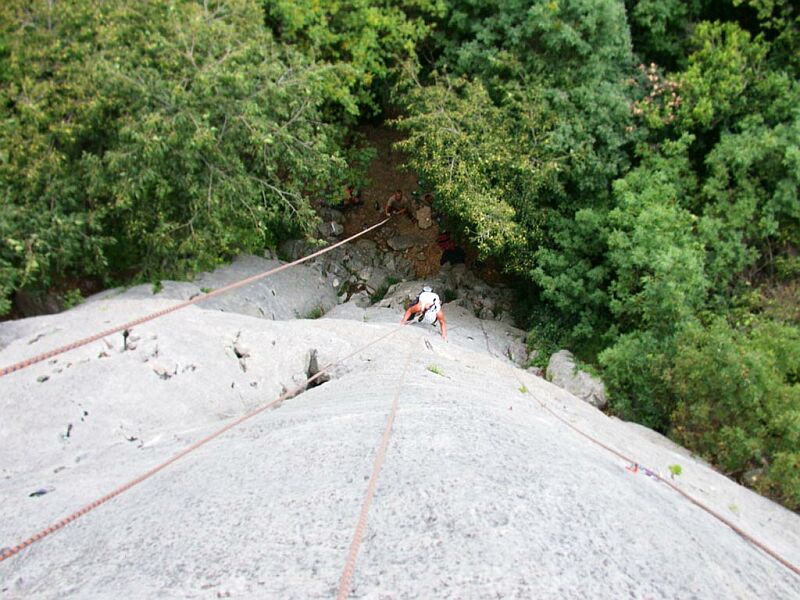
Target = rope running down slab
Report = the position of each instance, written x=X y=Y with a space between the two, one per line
x=9 y=552
x=98 y=336
x=636 y=465
x=763 y=547
x=352 y=555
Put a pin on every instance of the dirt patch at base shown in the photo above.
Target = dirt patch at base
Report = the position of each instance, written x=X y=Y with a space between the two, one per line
x=386 y=175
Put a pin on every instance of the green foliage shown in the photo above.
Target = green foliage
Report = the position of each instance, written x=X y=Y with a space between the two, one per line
x=436 y=370
x=466 y=147
x=654 y=253
x=739 y=400
x=780 y=20
x=72 y=298
x=751 y=193
x=315 y=313
x=660 y=27
x=522 y=141
x=571 y=278
x=365 y=42
x=568 y=59
x=675 y=470
x=154 y=138
x=636 y=372
x=567 y=41
x=725 y=63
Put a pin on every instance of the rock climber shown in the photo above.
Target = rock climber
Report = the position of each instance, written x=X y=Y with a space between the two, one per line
x=429 y=308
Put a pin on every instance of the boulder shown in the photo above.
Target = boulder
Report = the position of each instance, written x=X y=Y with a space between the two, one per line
x=377 y=279
x=399 y=243
x=330 y=229
x=486 y=314
x=331 y=214
x=562 y=372
x=400 y=295
x=361 y=300
x=424 y=217
x=31 y=304
x=535 y=371
x=285 y=295
x=294 y=249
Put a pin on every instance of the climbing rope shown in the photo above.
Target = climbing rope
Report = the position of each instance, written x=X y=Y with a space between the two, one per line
x=635 y=466
x=9 y=552
x=352 y=555
x=88 y=340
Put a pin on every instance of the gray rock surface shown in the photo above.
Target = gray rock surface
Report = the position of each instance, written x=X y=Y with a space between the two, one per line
x=403 y=242
x=455 y=284
x=483 y=494
x=423 y=216
x=562 y=372
x=290 y=294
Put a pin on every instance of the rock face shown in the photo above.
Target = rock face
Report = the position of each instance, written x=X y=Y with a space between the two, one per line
x=354 y=268
x=455 y=284
x=423 y=216
x=29 y=304
x=483 y=493
x=291 y=294
x=403 y=242
x=562 y=372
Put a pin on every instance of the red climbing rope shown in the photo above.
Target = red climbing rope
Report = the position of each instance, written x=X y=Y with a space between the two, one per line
x=98 y=336
x=9 y=552
x=635 y=467
x=352 y=555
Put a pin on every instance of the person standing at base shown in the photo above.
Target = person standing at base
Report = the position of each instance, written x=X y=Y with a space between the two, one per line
x=428 y=307
x=398 y=205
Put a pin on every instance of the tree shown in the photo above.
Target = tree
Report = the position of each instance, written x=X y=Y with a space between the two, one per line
x=154 y=138
x=366 y=42
x=739 y=401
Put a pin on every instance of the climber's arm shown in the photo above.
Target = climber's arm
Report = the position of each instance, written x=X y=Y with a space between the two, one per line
x=412 y=310
x=442 y=324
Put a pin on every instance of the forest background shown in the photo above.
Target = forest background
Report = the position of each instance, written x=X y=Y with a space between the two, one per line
x=633 y=166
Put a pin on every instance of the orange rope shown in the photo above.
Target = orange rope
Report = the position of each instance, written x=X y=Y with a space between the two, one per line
x=350 y=563
x=769 y=551
x=88 y=340
x=9 y=552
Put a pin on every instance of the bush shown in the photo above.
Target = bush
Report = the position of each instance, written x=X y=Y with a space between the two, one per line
x=739 y=401
x=636 y=374
x=163 y=138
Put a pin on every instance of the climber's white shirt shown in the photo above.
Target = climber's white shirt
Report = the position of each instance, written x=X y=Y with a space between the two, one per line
x=429 y=298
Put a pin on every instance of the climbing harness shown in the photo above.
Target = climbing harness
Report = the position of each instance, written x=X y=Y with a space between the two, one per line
x=128 y=326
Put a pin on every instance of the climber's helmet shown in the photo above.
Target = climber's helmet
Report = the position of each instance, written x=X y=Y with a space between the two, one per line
x=427 y=288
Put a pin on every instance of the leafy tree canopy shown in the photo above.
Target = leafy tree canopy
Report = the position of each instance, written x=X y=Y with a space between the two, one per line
x=154 y=137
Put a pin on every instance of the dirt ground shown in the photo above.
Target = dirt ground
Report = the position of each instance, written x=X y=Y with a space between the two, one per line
x=385 y=176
